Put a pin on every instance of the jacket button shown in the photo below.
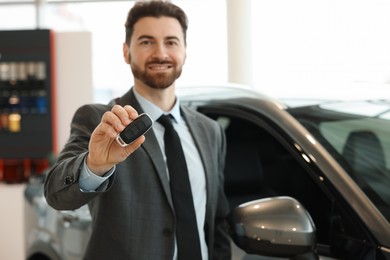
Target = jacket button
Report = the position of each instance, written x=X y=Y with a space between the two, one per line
x=167 y=232
x=68 y=179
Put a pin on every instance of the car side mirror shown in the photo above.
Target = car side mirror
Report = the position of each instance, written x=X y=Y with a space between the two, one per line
x=276 y=226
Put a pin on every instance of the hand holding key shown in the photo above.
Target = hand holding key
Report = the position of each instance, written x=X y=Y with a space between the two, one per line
x=104 y=150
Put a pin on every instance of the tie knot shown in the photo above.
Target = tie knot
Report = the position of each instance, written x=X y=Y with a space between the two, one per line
x=165 y=120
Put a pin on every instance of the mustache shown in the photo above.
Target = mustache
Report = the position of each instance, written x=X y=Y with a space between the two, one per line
x=159 y=61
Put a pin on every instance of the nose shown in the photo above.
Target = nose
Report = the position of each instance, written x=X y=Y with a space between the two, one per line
x=160 y=52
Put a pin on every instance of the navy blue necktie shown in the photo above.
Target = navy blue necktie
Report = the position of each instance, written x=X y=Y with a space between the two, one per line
x=187 y=236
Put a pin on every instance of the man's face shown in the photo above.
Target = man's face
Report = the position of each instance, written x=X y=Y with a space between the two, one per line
x=157 y=51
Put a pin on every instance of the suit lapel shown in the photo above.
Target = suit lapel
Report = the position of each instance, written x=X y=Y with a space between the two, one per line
x=202 y=142
x=150 y=145
x=152 y=148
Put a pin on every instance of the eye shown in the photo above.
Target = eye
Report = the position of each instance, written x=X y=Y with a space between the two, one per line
x=172 y=43
x=146 y=42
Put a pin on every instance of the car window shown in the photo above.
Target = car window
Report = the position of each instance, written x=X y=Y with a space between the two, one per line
x=356 y=134
x=258 y=165
x=365 y=146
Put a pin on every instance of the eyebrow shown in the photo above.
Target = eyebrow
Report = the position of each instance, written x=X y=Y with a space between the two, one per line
x=142 y=37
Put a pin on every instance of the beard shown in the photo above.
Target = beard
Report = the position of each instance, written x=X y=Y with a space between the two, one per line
x=156 y=80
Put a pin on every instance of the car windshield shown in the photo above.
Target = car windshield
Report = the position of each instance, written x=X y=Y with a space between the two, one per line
x=357 y=134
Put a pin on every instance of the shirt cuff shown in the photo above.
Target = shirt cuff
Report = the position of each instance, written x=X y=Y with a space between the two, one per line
x=90 y=182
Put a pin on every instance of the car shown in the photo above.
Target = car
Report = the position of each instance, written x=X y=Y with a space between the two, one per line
x=305 y=179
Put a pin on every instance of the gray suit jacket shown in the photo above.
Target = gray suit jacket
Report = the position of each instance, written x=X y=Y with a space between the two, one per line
x=133 y=218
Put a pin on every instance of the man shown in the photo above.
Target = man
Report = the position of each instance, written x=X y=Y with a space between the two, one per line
x=128 y=188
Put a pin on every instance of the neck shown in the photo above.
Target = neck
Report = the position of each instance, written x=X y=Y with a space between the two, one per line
x=163 y=98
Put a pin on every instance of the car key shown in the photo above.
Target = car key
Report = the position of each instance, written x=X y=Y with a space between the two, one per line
x=135 y=129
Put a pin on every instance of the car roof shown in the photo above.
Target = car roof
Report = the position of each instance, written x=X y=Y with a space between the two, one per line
x=229 y=91
x=221 y=92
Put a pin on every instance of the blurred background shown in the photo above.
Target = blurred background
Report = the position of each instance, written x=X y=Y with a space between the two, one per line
x=327 y=49
x=285 y=48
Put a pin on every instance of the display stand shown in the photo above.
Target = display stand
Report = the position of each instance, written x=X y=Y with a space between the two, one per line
x=27 y=107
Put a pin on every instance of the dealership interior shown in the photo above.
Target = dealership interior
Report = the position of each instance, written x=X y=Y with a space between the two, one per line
x=285 y=49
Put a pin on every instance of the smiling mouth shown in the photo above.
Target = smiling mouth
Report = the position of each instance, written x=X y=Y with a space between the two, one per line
x=160 y=67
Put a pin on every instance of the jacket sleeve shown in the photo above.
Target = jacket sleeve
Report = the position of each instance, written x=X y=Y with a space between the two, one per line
x=61 y=188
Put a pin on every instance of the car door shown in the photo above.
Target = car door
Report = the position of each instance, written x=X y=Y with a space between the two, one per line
x=263 y=161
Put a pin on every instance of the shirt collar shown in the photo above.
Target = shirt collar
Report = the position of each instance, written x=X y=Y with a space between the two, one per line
x=154 y=111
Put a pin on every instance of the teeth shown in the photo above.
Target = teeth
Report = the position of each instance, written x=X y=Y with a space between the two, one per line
x=159 y=67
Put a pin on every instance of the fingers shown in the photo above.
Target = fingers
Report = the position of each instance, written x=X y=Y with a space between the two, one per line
x=126 y=114
x=132 y=113
x=118 y=118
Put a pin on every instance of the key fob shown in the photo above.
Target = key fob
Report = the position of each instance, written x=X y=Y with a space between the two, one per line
x=135 y=129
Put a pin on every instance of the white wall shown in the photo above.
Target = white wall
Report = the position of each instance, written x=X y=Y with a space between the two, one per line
x=11 y=221
x=324 y=49
x=73 y=78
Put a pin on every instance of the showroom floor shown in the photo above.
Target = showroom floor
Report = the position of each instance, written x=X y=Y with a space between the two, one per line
x=11 y=222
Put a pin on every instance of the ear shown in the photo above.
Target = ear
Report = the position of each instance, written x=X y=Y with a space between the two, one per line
x=126 y=53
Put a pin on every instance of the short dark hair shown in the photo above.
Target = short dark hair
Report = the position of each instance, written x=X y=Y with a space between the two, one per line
x=154 y=8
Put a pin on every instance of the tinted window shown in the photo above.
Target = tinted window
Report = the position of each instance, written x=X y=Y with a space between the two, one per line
x=357 y=136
